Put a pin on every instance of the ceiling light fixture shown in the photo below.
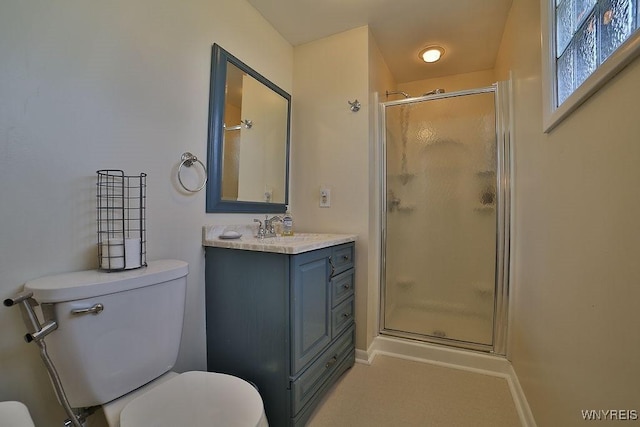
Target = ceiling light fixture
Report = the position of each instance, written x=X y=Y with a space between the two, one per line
x=431 y=53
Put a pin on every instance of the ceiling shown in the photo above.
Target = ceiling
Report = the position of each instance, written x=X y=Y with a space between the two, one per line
x=469 y=30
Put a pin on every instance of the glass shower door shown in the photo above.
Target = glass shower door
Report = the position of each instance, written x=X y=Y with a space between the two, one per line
x=440 y=225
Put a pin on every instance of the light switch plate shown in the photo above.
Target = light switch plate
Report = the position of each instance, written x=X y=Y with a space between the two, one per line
x=325 y=197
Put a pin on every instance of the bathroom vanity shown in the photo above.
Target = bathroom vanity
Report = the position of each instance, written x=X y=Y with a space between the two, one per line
x=279 y=313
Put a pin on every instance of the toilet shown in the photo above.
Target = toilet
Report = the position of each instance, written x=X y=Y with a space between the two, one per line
x=15 y=414
x=117 y=339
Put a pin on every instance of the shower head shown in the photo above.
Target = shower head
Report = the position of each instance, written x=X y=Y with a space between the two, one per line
x=433 y=92
x=398 y=92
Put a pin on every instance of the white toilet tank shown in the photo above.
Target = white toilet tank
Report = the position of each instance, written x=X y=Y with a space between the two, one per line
x=134 y=339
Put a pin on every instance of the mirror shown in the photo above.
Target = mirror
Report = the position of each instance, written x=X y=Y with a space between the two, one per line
x=249 y=132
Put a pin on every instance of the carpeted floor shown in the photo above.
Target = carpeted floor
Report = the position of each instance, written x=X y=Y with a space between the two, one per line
x=402 y=393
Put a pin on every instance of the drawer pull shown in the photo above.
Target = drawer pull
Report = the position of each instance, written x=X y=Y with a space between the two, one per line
x=346 y=285
x=345 y=257
x=346 y=315
x=331 y=362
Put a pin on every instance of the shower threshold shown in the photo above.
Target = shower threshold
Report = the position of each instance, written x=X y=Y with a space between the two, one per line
x=439 y=341
x=467 y=331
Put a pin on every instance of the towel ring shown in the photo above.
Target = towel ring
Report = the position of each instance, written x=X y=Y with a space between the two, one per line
x=188 y=159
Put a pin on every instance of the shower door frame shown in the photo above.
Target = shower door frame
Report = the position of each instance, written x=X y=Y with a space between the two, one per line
x=502 y=102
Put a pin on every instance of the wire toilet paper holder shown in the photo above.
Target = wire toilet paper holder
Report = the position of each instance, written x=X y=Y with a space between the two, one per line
x=121 y=217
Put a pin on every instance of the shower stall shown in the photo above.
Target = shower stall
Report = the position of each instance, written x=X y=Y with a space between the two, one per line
x=445 y=218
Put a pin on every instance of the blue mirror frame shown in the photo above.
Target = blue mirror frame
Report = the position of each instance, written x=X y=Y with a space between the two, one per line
x=215 y=203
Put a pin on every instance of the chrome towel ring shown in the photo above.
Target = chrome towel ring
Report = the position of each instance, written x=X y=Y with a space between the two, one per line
x=188 y=159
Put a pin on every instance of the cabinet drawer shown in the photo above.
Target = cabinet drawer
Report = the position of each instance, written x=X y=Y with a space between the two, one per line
x=305 y=387
x=341 y=317
x=342 y=258
x=341 y=287
x=302 y=417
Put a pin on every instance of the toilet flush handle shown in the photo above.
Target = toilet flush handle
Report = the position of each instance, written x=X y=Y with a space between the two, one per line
x=96 y=309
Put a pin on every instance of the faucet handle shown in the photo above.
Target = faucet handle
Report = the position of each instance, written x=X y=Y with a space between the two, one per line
x=269 y=229
x=261 y=230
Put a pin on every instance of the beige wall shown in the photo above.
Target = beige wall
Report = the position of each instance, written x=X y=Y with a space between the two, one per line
x=576 y=275
x=337 y=148
x=330 y=146
x=118 y=84
x=380 y=81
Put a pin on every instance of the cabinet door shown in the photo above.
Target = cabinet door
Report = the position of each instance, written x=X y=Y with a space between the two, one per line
x=311 y=306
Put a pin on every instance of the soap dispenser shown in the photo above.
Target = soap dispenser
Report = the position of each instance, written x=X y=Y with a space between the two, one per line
x=287 y=223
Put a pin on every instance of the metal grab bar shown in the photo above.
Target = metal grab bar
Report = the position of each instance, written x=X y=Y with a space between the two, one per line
x=248 y=124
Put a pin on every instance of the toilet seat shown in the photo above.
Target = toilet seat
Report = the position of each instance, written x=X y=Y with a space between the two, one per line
x=197 y=399
x=15 y=414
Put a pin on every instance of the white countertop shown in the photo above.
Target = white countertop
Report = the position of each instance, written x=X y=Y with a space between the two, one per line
x=296 y=244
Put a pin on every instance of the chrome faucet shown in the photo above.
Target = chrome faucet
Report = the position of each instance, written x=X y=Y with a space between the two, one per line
x=267 y=229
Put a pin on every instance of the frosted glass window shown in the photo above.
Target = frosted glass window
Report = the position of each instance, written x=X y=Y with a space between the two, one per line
x=583 y=8
x=565 y=27
x=586 y=57
x=566 y=76
x=587 y=32
x=617 y=24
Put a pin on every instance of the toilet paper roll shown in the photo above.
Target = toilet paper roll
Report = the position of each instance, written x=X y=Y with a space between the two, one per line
x=113 y=254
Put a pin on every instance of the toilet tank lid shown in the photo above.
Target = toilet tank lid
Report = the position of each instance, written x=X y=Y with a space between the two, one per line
x=92 y=283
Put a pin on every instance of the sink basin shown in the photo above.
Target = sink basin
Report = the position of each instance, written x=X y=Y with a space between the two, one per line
x=298 y=243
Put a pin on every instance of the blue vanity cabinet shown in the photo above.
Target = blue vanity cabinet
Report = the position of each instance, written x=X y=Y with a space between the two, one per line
x=310 y=303
x=283 y=322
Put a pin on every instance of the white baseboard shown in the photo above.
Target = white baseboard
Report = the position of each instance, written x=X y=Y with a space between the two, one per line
x=452 y=358
x=364 y=357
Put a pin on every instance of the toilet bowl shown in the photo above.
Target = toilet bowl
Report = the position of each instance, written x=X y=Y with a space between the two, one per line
x=191 y=398
x=15 y=414
x=117 y=338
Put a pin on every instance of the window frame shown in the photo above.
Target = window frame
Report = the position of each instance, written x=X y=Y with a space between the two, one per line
x=620 y=58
